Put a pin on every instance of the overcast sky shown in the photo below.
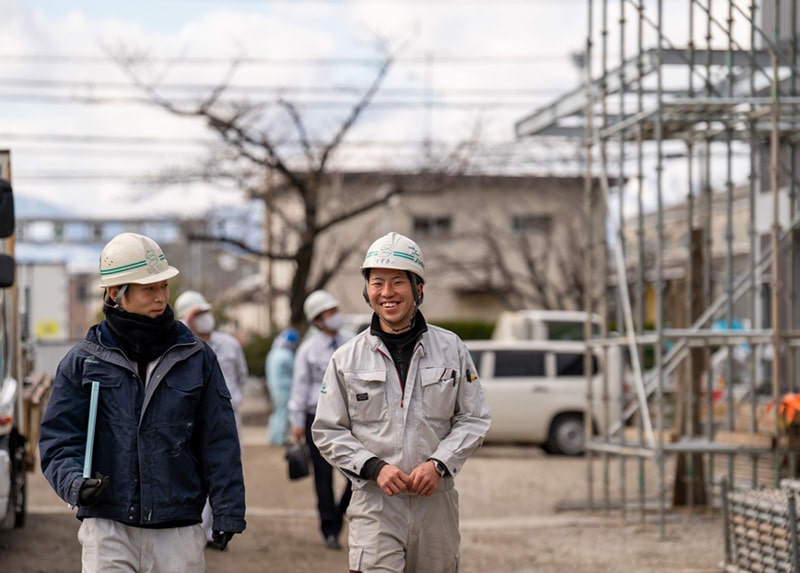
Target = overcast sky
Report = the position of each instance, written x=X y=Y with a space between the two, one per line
x=81 y=137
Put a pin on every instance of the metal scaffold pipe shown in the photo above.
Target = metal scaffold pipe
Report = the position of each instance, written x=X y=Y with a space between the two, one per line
x=681 y=321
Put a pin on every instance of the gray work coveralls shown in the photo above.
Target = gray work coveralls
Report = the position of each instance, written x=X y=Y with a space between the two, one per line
x=364 y=412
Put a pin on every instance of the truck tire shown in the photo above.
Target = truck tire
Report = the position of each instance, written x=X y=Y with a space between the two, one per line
x=9 y=520
x=20 y=487
x=566 y=436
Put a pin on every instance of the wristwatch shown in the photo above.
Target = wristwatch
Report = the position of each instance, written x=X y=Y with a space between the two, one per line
x=440 y=469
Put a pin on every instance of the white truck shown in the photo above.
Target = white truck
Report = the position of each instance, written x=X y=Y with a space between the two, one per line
x=20 y=395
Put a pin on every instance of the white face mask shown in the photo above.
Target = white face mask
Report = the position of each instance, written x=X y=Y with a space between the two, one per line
x=204 y=323
x=334 y=322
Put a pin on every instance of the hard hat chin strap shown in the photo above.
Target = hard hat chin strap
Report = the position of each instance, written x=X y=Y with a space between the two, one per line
x=414 y=288
x=119 y=296
x=409 y=326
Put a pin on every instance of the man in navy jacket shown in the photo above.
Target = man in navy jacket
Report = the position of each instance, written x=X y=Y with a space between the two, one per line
x=165 y=434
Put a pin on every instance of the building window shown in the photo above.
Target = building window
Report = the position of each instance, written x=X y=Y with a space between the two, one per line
x=432 y=225
x=531 y=223
x=82 y=290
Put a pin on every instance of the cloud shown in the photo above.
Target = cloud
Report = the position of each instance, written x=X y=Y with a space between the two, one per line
x=510 y=57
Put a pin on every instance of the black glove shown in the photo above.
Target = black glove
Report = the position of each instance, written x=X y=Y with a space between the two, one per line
x=220 y=539
x=91 y=488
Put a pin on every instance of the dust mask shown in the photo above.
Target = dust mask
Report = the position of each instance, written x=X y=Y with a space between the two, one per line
x=204 y=323
x=334 y=322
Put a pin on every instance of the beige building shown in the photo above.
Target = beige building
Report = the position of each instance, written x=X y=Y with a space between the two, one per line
x=739 y=232
x=490 y=244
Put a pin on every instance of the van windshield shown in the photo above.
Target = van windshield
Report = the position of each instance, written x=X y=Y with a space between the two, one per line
x=568 y=330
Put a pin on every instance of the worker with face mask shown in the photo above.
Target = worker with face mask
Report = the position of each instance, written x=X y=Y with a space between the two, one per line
x=164 y=430
x=322 y=311
x=193 y=309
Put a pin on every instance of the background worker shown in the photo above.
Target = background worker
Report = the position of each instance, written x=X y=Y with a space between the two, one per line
x=400 y=411
x=279 y=368
x=165 y=435
x=193 y=309
x=322 y=311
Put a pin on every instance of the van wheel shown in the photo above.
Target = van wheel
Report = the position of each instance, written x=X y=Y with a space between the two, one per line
x=566 y=435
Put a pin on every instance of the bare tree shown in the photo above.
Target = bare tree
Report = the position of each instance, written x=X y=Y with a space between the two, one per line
x=528 y=270
x=267 y=151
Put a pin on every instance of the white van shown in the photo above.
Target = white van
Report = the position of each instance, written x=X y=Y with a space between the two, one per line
x=537 y=391
x=544 y=325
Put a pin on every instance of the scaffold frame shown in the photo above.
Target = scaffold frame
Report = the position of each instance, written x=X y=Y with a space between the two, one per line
x=716 y=282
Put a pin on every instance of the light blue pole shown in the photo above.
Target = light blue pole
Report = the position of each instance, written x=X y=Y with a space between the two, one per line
x=87 y=460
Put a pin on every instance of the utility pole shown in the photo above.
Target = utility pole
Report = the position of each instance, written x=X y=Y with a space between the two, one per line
x=268 y=277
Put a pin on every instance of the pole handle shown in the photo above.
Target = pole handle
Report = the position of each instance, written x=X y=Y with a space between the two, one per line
x=87 y=460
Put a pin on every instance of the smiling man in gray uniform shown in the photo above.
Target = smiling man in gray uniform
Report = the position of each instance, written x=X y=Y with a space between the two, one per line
x=400 y=411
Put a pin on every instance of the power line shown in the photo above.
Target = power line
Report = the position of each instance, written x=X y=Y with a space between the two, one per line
x=498 y=156
x=427 y=60
x=149 y=152
x=279 y=89
x=104 y=139
x=303 y=104
x=85 y=176
x=91 y=139
x=150 y=178
x=389 y=2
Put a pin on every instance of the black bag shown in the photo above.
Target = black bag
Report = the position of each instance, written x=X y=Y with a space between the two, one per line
x=298 y=458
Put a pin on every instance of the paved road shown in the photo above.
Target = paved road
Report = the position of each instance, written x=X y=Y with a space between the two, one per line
x=508 y=498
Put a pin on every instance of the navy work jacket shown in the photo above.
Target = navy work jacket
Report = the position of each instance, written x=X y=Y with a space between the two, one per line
x=165 y=446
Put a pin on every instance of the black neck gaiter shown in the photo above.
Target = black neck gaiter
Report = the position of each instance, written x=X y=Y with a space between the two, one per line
x=141 y=338
x=401 y=346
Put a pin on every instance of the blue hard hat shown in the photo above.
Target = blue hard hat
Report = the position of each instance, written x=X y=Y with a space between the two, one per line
x=290 y=335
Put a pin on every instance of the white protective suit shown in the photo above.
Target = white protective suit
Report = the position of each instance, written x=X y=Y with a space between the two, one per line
x=363 y=412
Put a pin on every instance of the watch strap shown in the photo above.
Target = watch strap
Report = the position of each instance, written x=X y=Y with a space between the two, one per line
x=440 y=467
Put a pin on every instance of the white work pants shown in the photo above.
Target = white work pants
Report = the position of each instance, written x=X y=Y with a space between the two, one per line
x=113 y=547
x=404 y=533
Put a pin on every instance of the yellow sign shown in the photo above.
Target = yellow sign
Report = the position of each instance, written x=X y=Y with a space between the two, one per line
x=47 y=329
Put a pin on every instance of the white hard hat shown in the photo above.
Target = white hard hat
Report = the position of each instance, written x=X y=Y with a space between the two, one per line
x=188 y=300
x=318 y=302
x=133 y=258
x=395 y=251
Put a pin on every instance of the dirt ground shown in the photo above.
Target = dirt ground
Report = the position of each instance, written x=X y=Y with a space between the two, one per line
x=512 y=520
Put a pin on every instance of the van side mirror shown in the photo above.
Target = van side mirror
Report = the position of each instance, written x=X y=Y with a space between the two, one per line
x=6 y=210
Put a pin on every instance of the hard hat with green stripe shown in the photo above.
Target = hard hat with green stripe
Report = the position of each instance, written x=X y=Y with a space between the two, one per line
x=395 y=251
x=133 y=258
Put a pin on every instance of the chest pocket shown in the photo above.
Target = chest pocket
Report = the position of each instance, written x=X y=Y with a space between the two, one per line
x=114 y=398
x=180 y=399
x=185 y=384
x=366 y=396
x=439 y=390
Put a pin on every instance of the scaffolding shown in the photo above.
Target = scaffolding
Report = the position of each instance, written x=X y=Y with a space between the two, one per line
x=690 y=130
